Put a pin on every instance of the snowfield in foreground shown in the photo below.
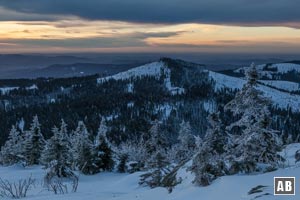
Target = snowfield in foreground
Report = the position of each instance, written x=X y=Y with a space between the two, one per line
x=115 y=186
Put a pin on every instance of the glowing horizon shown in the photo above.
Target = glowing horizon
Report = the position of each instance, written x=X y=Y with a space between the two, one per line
x=78 y=31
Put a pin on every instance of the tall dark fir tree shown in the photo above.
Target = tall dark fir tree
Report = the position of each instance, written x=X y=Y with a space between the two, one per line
x=56 y=155
x=103 y=150
x=34 y=143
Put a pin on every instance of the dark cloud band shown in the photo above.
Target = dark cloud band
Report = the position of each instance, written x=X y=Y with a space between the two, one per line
x=135 y=39
x=241 y=12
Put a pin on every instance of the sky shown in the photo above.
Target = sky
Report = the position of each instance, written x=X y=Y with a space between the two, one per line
x=217 y=26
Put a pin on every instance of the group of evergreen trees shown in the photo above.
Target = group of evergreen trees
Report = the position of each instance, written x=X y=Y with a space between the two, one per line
x=24 y=147
x=80 y=150
x=64 y=151
x=246 y=145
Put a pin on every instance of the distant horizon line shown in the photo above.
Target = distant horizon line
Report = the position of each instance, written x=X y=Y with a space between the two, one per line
x=154 y=53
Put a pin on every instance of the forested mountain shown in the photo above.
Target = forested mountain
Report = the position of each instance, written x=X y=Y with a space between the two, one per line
x=157 y=119
x=168 y=90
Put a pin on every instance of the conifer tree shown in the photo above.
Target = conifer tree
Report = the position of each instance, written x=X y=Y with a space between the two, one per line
x=122 y=168
x=158 y=170
x=85 y=157
x=209 y=162
x=132 y=151
x=11 y=152
x=156 y=151
x=216 y=138
x=34 y=143
x=77 y=141
x=156 y=140
x=252 y=139
x=103 y=150
x=187 y=142
x=103 y=129
x=56 y=155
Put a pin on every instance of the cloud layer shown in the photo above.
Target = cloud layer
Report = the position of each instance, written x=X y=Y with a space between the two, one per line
x=235 y=12
x=149 y=25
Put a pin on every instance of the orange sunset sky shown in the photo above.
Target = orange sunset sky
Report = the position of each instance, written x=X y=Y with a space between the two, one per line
x=42 y=28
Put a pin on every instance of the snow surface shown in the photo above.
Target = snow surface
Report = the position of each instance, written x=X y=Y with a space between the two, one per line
x=33 y=87
x=279 y=68
x=130 y=104
x=210 y=106
x=289 y=154
x=286 y=67
x=130 y=88
x=165 y=108
x=285 y=85
x=282 y=99
x=168 y=83
x=151 y=69
x=6 y=90
x=279 y=98
x=115 y=186
x=224 y=81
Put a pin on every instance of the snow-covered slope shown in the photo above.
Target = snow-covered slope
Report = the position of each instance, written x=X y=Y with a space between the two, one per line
x=155 y=69
x=286 y=67
x=115 y=186
x=151 y=69
x=224 y=81
x=279 y=98
x=284 y=85
x=282 y=99
x=277 y=68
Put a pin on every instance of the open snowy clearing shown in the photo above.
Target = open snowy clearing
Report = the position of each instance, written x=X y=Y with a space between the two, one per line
x=115 y=186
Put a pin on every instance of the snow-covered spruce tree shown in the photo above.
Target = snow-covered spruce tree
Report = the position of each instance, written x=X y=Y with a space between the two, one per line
x=156 y=141
x=209 y=163
x=216 y=138
x=84 y=155
x=158 y=170
x=157 y=163
x=103 y=129
x=187 y=142
x=56 y=155
x=252 y=139
x=34 y=143
x=77 y=139
x=136 y=153
x=103 y=149
x=11 y=152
